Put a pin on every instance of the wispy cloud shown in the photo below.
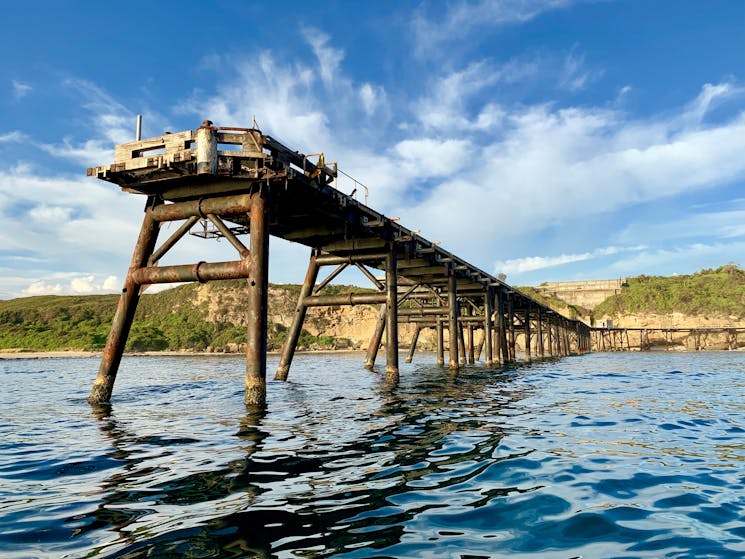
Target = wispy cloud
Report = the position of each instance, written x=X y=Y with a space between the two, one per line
x=12 y=137
x=329 y=58
x=547 y=166
x=20 y=89
x=575 y=74
x=108 y=122
x=463 y=18
x=678 y=259
x=532 y=263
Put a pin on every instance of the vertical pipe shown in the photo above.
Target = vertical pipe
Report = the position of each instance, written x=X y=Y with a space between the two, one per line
x=511 y=326
x=391 y=303
x=453 y=321
x=488 y=311
x=528 y=355
x=205 y=148
x=440 y=344
x=469 y=340
x=541 y=349
x=461 y=344
x=258 y=287
x=479 y=348
x=414 y=340
x=288 y=351
x=502 y=327
x=374 y=345
x=138 y=128
x=103 y=385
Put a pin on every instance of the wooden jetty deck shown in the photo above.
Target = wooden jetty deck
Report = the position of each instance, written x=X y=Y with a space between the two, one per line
x=228 y=182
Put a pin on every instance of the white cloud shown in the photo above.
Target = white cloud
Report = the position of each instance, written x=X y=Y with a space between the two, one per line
x=549 y=166
x=50 y=214
x=575 y=75
x=109 y=122
x=681 y=259
x=463 y=19
x=70 y=283
x=329 y=58
x=20 y=89
x=711 y=96
x=532 y=263
x=372 y=97
x=425 y=158
x=14 y=136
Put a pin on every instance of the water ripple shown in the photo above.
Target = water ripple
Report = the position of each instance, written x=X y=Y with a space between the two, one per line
x=618 y=455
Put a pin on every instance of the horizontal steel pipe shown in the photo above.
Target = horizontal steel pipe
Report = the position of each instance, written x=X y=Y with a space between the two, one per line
x=350 y=299
x=201 y=272
x=222 y=205
x=424 y=311
x=475 y=321
x=331 y=260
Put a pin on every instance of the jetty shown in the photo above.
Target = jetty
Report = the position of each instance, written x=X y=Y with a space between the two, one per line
x=695 y=338
x=221 y=182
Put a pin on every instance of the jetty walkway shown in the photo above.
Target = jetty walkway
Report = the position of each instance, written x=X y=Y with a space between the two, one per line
x=226 y=183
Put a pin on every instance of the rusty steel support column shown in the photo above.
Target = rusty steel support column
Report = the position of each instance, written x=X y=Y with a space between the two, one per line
x=541 y=349
x=488 y=325
x=503 y=327
x=414 y=340
x=461 y=342
x=479 y=348
x=374 y=345
x=550 y=336
x=511 y=326
x=471 y=357
x=440 y=343
x=528 y=355
x=453 y=321
x=391 y=341
x=258 y=288
x=288 y=351
x=103 y=385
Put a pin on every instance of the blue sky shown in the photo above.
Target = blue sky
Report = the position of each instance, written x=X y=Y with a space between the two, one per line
x=549 y=140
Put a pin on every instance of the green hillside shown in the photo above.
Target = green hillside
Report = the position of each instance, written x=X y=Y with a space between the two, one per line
x=719 y=292
x=562 y=307
x=169 y=320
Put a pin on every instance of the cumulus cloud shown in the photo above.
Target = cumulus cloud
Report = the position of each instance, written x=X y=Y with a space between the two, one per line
x=503 y=170
x=66 y=283
x=548 y=166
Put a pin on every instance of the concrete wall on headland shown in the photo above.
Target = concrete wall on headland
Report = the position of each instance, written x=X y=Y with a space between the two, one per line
x=586 y=294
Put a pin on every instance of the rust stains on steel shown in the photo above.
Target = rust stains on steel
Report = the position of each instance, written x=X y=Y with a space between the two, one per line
x=225 y=182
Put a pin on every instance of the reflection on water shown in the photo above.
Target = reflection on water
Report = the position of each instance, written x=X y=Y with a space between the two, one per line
x=609 y=455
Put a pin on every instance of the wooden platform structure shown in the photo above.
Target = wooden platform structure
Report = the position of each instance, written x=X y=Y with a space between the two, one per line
x=647 y=339
x=228 y=182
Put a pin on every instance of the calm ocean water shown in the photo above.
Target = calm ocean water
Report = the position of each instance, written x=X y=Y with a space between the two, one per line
x=604 y=455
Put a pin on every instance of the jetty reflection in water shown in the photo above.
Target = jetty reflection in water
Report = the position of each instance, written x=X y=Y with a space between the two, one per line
x=634 y=455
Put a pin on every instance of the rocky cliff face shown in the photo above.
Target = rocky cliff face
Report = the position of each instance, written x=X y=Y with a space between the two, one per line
x=355 y=323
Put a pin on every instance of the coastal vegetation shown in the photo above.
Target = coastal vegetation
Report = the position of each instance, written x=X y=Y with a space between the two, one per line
x=211 y=317
x=174 y=319
x=560 y=306
x=710 y=292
